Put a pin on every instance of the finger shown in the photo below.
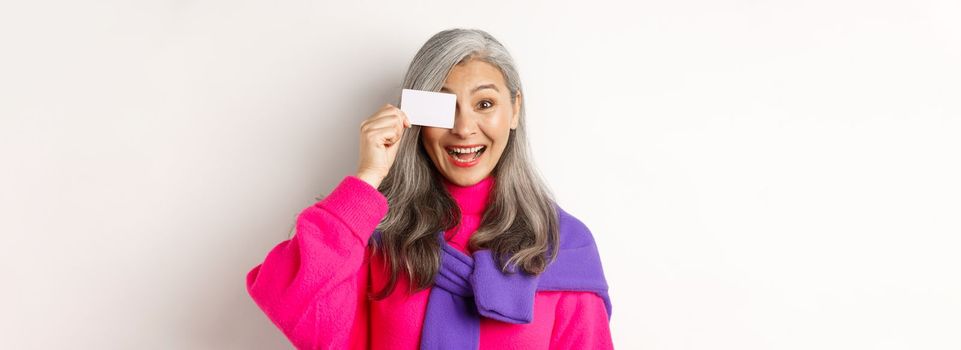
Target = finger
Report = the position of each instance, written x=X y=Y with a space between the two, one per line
x=407 y=123
x=399 y=127
x=387 y=135
x=389 y=118
x=390 y=107
x=383 y=110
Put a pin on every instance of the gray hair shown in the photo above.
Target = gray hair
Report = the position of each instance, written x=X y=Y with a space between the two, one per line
x=520 y=219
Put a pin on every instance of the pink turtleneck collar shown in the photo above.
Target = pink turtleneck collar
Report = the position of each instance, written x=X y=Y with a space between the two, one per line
x=472 y=200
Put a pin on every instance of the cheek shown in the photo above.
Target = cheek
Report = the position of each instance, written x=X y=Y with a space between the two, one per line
x=497 y=125
x=429 y=138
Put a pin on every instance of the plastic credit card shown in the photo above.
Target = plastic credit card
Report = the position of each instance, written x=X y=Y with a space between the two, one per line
x=429 y=108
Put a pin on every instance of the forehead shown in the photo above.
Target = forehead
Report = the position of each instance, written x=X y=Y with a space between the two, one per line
x=466 y=75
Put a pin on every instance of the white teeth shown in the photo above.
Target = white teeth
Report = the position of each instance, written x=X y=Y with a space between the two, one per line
x=474 y=150
x=466 y=150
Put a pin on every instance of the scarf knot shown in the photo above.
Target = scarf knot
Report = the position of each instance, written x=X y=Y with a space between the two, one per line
x=504 y=297
x=467 y=288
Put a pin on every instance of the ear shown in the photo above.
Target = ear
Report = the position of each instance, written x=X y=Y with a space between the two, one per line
x=517 y=111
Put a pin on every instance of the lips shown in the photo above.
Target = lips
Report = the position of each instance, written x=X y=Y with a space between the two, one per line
x=465 y=155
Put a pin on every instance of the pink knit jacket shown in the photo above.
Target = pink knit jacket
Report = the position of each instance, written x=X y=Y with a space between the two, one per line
x=313 y=286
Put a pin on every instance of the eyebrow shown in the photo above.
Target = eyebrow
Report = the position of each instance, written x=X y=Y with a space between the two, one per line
x=479 y=87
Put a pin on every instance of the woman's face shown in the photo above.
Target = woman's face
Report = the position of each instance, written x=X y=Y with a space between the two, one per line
x=484 y=118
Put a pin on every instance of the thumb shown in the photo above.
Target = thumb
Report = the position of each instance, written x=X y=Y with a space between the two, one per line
x=392 y=150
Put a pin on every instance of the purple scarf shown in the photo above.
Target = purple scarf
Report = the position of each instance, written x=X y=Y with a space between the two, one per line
x=469 y=287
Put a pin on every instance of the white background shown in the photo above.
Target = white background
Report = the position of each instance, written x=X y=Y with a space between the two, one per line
x=757 y=174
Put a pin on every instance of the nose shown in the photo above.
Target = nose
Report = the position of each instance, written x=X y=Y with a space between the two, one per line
x=465 y=124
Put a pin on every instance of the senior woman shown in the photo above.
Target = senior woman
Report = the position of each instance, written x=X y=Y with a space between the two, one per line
x=443 y=238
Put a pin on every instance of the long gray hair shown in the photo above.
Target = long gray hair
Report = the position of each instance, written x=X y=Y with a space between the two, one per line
x=520 y=219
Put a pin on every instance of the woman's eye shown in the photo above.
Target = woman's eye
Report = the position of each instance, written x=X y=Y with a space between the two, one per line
x=485 y=104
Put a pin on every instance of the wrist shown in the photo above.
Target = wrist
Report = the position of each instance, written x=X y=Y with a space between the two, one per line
x=373 y=180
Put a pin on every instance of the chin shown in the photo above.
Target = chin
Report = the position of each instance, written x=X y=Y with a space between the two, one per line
x=466 y=179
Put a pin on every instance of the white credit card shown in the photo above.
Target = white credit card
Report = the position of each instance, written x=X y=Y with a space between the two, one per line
x=429 y=108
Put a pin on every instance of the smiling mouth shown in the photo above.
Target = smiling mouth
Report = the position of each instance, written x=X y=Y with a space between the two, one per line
x=464 y=155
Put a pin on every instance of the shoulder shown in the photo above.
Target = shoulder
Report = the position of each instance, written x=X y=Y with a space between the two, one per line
x=573 y=232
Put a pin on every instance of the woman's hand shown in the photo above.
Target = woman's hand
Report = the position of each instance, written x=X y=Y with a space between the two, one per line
x=380 y=136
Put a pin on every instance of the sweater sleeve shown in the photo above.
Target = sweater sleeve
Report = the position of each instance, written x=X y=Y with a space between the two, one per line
x=313 y=286
x=581 y=322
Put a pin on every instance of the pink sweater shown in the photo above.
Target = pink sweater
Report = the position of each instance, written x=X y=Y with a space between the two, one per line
x=312 y=286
